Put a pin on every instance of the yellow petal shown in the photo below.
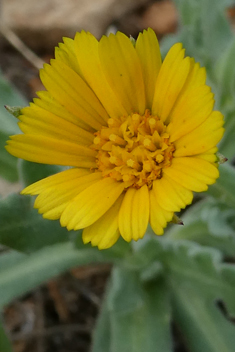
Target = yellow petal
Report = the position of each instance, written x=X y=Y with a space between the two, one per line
x=122 y=69
x=196 y=78
x=47 y=102
x=134 y=213
x=55 y=180
x=170 y=81
x=70 y=90
x=104 y=232
x=53 y=200
x=65 y=189
x=202 y=138
x=36 y=120
x=147 y=48
x=171 y=195
x=89 y=63
x=190 y=111
x=91 y=204
x=210 y=155
x=66 y=53
x=51 y=151
x=159 y=217
x=192 y=173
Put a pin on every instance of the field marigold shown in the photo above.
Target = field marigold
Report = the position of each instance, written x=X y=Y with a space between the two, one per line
x=138 y=135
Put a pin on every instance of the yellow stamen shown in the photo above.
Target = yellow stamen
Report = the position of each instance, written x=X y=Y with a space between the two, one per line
x=159 y=158
x=134 y=149
x=152 y=122
x=113 y=159
x=130 y=162
x=149 y=144
x=97 y=140
x=116 y=139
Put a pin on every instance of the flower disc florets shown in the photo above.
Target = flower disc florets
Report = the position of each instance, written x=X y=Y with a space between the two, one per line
x=134 y=149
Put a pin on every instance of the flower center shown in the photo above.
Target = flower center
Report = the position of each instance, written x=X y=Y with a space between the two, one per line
x=133 y=149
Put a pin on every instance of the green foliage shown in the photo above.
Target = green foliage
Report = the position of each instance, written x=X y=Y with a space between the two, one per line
x=137 y=314
x=23 y=229
x=224 y=186
x=204 y=30
x=208 y=223
x=5 y=345
x=8 y=96
x=198 y=280
x=135 y=317
x=225 y=83
x=22 y=272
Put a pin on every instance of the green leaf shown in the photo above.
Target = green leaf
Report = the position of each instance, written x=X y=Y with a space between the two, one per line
x=5 y=345
x=205 y=28
x=226 y=146
x=216 y=30
x=145 y=253
x=8 y=126
x=225 y=75
x=9 y=259
x=188 y=263
x=139 y=314
x=204 y=327
x=8 y=163
x=198 y=280
x=101 y=341
x=223 y=189
x=8 y=96
x=29 y=271
x=209 y=223
x=23 y=229
x=225 y=80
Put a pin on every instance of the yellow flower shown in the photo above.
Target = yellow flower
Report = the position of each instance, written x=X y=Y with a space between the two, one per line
x=138 y=135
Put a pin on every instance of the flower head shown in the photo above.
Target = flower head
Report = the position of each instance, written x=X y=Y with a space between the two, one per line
x=139 y=136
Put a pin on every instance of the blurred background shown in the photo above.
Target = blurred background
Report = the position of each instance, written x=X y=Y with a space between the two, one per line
x=60 y=316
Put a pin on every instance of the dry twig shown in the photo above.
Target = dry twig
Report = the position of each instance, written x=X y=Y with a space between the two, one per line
x=17 y=43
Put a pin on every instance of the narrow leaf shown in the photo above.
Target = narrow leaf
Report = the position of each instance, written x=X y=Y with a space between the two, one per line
x=139 y=315
x=32 y=270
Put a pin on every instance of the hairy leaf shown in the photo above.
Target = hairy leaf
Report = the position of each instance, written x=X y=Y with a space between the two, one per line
x=8 y=126
x=223 y=188
x=137 y=317
x=198 y=280
x=23 y=229
x=209 y=223
x=23 y=273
